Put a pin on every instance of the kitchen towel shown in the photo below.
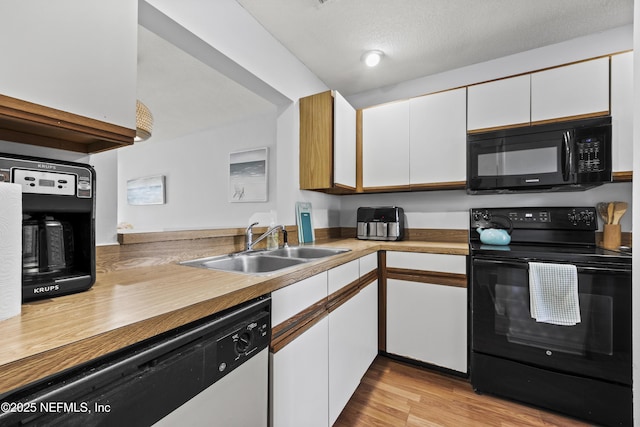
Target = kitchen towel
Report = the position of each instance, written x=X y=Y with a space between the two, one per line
x=10 y=250
x=553 y=293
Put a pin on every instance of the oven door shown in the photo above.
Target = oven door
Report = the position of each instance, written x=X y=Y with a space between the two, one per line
x=597 y=347
x=520 y=162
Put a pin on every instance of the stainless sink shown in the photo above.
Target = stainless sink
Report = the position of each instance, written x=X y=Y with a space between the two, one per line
x=263 y=262
x=307 y=252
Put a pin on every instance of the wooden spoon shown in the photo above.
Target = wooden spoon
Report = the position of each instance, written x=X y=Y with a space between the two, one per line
x=619 y=209
x=610 y=210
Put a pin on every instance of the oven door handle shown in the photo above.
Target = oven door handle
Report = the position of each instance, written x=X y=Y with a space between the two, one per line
x=524 y=263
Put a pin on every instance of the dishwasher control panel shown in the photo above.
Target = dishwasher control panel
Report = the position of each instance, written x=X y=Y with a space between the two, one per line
x=238 y=344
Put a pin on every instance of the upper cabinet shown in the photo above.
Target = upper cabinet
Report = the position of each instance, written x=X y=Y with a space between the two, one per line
x=385 y=146
x=327 y=143
x=573 y=90
x=576 y=90
x=438 y=138
x=72 y=79
x=622 y=114
x=415 y=144
x=499 y=103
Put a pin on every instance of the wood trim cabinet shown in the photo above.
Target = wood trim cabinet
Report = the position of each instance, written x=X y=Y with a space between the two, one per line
x=560 y=93
x=73 y=89
x=426 y=320
x=324 y=338
x=29 y=123
x=327 y=143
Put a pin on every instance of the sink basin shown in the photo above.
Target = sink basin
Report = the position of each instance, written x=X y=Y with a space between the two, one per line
x=264 y=262
x=245 y=263
x=306 y=252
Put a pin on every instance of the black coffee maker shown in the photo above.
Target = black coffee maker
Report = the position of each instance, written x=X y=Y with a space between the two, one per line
x=58 y=224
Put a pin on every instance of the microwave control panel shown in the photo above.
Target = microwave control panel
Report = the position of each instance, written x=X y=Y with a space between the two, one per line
x=589 y=159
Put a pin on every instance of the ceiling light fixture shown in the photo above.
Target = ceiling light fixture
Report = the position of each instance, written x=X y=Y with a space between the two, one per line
x=372 y=57
x=144 y=122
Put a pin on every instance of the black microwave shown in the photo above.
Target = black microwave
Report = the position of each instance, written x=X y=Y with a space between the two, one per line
x=563 y=156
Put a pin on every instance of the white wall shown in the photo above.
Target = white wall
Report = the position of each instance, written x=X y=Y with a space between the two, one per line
x=450 y=209
x=244 y=51
x=196 y=168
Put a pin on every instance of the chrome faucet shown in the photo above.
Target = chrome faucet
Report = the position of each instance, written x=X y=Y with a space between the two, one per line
x=249 y=236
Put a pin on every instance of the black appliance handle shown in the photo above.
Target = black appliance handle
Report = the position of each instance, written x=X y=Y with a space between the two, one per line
x=523 y=263
x=566 y=155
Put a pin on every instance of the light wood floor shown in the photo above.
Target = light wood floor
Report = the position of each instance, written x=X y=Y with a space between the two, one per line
x=398 y=394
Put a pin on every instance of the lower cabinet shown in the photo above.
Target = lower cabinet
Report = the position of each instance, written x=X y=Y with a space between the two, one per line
x=315 y=370
x=299 y=386
x=427 y=308
x=353 y=344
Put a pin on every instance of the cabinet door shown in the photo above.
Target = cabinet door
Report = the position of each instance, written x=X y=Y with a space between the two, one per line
x=352 y=346
x=572 y=90
x=291 y=300
x=74 y=56
x=438 y=137
x=385 y=145
x=622 y=111
x=342 y=275
x=504 y=102
x=299 y=386
x=427 y=322
x=368 y=263
x=344 y=142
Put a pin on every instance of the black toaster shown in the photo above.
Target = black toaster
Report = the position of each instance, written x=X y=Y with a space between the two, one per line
x=380 y=223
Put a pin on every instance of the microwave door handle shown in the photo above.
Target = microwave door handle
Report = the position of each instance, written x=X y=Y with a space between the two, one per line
x=566 y=155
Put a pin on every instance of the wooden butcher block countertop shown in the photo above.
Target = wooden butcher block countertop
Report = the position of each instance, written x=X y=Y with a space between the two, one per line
x=127 y=306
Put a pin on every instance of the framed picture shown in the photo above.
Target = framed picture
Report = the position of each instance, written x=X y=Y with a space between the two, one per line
x=248 y=171
x=146 y=191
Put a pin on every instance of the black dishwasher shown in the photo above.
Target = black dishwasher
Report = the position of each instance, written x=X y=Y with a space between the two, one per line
x=148 y=382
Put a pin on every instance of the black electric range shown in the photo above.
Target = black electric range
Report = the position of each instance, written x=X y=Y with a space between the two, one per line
x=584 y=369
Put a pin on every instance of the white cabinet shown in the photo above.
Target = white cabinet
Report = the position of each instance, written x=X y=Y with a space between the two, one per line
x=368 y=263
x=314 y=375
x=438 y=137
x=572 y=90
x=622 y=111
x=557 y=93
x=344 y=142
x=291 y=300
x=504 y=102
x=427 y=321
x=385 y=145
x=353 y=336
x=342 y=275
x=72 y=55
x=299 y=386
x=327 y=142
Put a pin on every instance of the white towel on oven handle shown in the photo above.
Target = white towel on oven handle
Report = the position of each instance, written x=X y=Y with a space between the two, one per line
x=553 y=293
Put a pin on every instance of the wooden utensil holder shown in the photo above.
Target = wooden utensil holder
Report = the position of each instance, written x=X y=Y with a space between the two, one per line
x=611 y=238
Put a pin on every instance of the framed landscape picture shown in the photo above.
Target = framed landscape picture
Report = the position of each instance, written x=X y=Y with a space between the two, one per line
x=248 y=171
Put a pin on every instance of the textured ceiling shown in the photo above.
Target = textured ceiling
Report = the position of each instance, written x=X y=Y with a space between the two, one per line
x=423 y=37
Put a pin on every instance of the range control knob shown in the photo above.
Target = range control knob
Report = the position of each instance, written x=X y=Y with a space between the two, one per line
x=243 y=343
